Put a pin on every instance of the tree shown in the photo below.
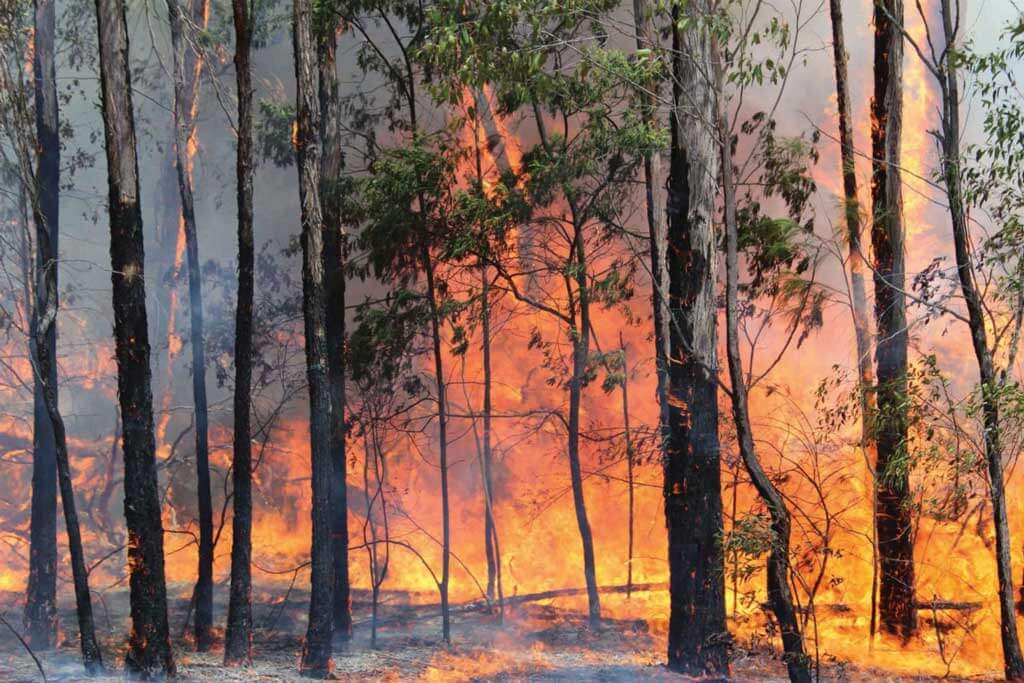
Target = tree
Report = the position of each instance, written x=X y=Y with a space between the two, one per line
x=999 y=176
x=697 y=635
x=238 y=639
x=186 y=85
x=647 y=41
x=573 y=182
x=331 y=192
x=316 y=651
x=40 y=602
x=893 y=520
x=149 y=652
x=37 y=155
x=855 y=264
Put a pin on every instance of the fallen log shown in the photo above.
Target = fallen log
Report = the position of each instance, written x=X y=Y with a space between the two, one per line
x=417 y=612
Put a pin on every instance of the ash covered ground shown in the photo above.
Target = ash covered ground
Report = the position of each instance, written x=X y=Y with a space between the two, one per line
x=535 y=641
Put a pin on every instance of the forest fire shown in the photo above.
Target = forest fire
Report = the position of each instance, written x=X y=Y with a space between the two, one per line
x=513 y=415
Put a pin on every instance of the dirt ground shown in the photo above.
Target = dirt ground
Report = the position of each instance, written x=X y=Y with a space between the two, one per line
x=534 y=642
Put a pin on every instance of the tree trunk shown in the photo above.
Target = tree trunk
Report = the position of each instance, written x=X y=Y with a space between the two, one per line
x=1013 y=660
x=91 y=656
x=334 y=268
x=580 y=352
x=442 y=436
x=629 y=466
x=491 y=545
x=46 y=216
x=238 y=638
x=185 y=86
x=41 y=598
x=858 y=297
x=779 y=596
x=149 y=648
x=697 y=635
x=316 y=652
x=894 y=527
x=646 y=39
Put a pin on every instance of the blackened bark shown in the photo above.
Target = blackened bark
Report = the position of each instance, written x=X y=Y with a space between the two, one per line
x=334 y=269
x=184 y=130
x=894 y=523
x=41 y=596
x=238 y=638
x=858 y=296
x=316 y=651
x=47 y=303
x=1013 y=659
x=44 y=313
x=149 y=648
x=779 y=596
x=697 y=635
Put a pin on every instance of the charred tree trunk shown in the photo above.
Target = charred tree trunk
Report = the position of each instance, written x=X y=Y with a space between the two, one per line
x=442 y=436
x=46 y=215
x=184 y=130
x=894 y=524
x=334 y=269
x=47 y=302
x=856 y=266
x=697 y=635
x=149 y=647
x=316 y=652
x=238 y=638
x=1013 y=660
x=779 y=596
x=41 y=597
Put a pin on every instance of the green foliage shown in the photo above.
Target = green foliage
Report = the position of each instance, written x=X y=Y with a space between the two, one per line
x=993 y=170
x=274 y=132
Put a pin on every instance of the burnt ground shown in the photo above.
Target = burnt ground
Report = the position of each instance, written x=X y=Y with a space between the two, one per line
x=534 y=642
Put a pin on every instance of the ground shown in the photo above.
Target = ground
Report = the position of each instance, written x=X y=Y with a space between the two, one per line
x=534 y=642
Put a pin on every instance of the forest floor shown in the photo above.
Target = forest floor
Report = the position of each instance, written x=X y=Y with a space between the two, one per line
x=534 y=642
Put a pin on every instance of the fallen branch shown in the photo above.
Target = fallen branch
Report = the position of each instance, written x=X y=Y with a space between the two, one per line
x=432 y=610
x=28 y=649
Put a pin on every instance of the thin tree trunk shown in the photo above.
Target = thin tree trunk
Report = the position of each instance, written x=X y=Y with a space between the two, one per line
x=238 y=638
x=646 y=39
x=41 y=598
x=894 y=522
x=629 y=466
x=580 y=353
x=91 y=656
x=334 y=268
x=492 y=548
x=779 y=596
x=185 y=85
x=491 y=545
x=149 y=648
x=697 y=635
x=1013 y=660
x=442 y=435
x=858 y=296
x=316 y=652
x=44 y=313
